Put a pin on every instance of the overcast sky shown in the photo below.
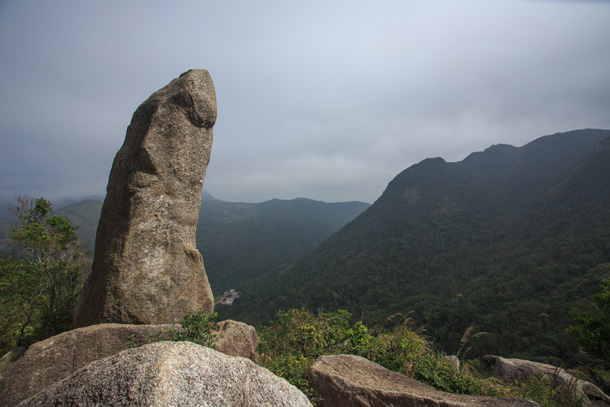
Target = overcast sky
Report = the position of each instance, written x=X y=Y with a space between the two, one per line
x=327 y=100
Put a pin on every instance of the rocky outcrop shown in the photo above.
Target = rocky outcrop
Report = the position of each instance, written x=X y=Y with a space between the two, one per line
x=171 y=374
x=237 y=339
x=510 y=370
x=347 y=380
x=8 y=360
x=58 y=357
x=55 y=358
x=147 y=269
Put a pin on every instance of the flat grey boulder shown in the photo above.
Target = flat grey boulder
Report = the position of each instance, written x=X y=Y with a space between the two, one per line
x=56 y=358
x=518 y=369
x=171 y=374
x=146 y=268
x=348 y=380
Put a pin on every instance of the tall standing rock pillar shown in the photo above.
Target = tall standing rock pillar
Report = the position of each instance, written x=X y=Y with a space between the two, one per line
x=147 y=269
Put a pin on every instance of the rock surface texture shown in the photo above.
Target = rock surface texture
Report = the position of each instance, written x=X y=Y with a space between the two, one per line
x=347 y=380
x=171 y=374
x=237 y=339
x=56 y=358
x=147 y=269
x=9 y=359
x=513 y=369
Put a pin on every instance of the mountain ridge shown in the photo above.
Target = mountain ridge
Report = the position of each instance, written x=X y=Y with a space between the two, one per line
x=460 y=244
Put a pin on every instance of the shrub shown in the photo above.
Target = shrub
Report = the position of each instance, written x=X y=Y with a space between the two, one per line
x=197 y=327
x=296 y=338
x=41 y=281
x=544 y=391
x=592 y=328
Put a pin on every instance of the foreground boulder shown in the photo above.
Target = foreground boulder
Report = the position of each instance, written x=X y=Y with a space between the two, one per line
x=56 y=358
x=347 y=380
x=510 y=370
x=147 y=269
x=171 y=374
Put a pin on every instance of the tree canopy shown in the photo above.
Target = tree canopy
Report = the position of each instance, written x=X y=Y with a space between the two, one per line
x=41 y=280
x=592 y=328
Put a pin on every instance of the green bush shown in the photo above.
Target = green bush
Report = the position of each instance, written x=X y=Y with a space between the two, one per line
x=543 y=391
x=410 y=353
x=592 y=328
x=42 y=279
x=197 y=327
x=296 y=338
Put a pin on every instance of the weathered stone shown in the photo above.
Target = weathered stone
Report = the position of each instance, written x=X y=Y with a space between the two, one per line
x=147 y=269
x=171 y=374
x=517 y=369
x=347 y=380
x=56 y=358
x=237 y=339
x=9 y=359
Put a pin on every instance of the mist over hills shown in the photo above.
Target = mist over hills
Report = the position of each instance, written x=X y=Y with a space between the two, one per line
x=507 y=240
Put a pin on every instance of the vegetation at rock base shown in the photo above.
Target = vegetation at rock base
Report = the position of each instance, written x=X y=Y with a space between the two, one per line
x=296 y=338
x=41 y=280
x=197 y=327
x=290 y=345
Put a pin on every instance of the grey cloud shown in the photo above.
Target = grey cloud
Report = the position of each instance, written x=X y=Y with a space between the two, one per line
x=327 y=100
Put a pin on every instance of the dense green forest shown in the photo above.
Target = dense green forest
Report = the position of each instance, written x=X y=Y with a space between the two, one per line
x=42 y=278
x=240 y=241
x=508 y=240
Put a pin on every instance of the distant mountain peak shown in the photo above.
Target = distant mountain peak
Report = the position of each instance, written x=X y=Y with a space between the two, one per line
x=206 y=196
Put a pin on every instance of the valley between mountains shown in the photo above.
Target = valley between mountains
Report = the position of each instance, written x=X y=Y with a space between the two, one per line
x=507 y=242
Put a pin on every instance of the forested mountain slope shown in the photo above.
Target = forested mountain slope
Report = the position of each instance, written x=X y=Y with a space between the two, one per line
x=240 y=241
x=508 y=240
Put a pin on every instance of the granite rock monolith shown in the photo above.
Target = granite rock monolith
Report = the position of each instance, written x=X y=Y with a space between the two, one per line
x=146 y=268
